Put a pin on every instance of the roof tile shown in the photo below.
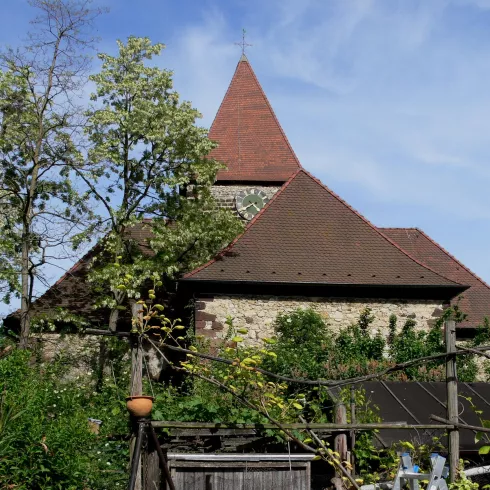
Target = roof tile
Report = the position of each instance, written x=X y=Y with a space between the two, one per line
x=251 y=141
x=307 y=234
x=475 y=301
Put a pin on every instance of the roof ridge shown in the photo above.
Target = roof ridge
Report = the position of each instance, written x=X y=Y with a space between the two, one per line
x=397 y=227
x=359 y=215
x=249 y=225
x=467 y=269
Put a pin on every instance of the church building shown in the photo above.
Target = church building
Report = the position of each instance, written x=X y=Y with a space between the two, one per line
x=306 y=247
x=303 y=246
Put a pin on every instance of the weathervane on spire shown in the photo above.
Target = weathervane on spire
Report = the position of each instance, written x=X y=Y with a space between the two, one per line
x=243 y=44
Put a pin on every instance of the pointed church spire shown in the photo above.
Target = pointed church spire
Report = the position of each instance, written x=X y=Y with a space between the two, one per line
x=251 y=141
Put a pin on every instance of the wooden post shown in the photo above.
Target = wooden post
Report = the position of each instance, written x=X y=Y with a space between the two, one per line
x=452 y=398
x=136 y=387
x=136 y=354
x=352 y=432
x=151 y=466
x=340 y=442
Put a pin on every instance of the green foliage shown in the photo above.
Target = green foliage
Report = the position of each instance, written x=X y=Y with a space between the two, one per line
x=45 y=442
x=357 y=349
x=392 y=323
x=41 y=208
x=60 y=320
x=463 y=482
x=480 y=435
x=303 y=344
x=306 y=347
x=148 y=160
x=482 y=336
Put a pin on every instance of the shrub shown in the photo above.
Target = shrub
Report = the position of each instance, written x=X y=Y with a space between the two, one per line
x=45 y=441
x=304 y=344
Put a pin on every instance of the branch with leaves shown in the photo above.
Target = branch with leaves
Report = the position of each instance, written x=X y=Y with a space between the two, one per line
x=40 y=206
x=145 y=151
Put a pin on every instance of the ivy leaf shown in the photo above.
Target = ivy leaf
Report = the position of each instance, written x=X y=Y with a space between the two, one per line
x=484 y=450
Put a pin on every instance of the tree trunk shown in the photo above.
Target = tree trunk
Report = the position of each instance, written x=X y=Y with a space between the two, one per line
x=114 y=316
x=25 y=321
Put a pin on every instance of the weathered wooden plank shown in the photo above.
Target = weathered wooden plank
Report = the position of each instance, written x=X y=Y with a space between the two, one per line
x=206 y=432
x=241 y=475
x=251 y=465
x=298 y=426
x=177 y=479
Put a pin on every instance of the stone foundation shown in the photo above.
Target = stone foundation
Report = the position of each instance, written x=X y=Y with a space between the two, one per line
x=257 y=313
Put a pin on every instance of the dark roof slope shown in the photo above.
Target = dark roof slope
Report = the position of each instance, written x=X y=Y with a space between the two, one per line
x=251 y=141
x=476 y=300
x=307 y=234
x=72 y=291
x=414 y=402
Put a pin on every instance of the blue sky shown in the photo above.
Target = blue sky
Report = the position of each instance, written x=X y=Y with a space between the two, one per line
x=386 y=101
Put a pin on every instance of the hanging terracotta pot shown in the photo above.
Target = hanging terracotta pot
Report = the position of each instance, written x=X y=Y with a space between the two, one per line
x=139 y=405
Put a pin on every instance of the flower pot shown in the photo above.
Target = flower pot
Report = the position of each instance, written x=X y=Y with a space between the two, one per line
x=139 y=405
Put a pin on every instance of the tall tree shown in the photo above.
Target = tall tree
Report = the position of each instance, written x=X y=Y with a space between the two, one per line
x=40 y=208
x=148 y=159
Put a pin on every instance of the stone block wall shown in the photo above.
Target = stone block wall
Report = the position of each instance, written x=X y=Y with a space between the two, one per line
x=82 y=354
x=225 y=194
x=257 y=313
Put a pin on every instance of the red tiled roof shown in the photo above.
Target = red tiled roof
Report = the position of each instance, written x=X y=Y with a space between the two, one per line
x=475 y=301
x=251 y=141
x=307 y=234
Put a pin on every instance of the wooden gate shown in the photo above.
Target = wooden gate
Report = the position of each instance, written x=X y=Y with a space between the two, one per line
x=240 y=471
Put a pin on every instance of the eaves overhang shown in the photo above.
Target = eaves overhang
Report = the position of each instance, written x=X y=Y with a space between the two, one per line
x=382 y=291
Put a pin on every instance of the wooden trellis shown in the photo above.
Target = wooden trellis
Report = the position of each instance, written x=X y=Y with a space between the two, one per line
x=146 y=428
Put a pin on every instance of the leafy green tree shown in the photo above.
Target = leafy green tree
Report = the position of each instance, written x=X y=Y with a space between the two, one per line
x=148 y=159
x=303 y=346
x=40 y=208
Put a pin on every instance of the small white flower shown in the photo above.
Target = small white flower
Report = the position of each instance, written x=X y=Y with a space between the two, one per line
x=108 y=463
x=106 y=444
x=54 y=406
x=98 y=452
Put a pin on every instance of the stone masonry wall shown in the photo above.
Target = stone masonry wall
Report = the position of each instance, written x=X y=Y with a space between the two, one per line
x=225 y=194
x=257 y=313
x=82 y=354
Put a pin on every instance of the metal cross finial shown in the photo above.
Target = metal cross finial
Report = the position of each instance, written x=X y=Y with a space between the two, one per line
x=243 y=44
